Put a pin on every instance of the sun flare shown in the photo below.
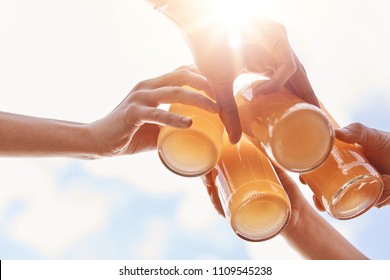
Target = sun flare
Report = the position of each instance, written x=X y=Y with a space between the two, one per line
x=233 y=15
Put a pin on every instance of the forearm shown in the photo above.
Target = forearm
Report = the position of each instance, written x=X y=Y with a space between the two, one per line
x=314 y=238
x=39 y=137
x=178 y=10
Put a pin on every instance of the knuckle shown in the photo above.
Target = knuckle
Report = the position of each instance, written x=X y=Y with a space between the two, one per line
x=156 y=115
x=132 y=114
x=178 y=91
x=183 y=72
x=275 y=86
x=132 y=110
x=145 y=84
x=134 y=96
x=358 y=127
x=159 y=116
x=184 y=75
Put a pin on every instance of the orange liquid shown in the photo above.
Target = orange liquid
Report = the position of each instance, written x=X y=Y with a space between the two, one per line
x=346 y=183
x=254 y=201
x=295 y=135
x=193 y=151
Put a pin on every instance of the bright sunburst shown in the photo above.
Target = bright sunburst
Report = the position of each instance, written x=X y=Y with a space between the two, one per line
x=232 y=14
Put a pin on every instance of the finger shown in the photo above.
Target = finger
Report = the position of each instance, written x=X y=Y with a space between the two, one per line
x=209 y=178
x=190 y=76
x=172 y=94
x=275 y=83
x=318 y=204
x=369 y=138
x=217 y=202
x=162 y=117
x=302 y=180
x=209 y=181
x=385 y=198
x=180 y=77
x=300 y=84
x=191 y=68
x=195 y=70
x=228 y=112
x=284 y=67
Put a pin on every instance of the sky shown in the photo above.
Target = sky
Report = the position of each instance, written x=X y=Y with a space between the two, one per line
x=76 y=60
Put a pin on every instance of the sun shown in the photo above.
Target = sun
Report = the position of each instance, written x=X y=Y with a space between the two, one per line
x=233 y=15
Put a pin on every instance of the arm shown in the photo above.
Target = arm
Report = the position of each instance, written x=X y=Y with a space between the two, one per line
x=310 y=234
x=315 y=239
x=132 y=127
x=31 y=136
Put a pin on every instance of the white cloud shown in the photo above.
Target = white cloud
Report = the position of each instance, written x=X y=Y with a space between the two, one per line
x=195 y=211
x=52 y=218
x=144 y=172
x=154 y=241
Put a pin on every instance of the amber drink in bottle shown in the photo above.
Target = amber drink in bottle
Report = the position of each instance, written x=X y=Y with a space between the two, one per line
x=251 y=194
x=346 y=184
x=193 y=151
x=296 y=135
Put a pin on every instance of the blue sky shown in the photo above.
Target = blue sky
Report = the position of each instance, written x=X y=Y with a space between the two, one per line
x=76 y=60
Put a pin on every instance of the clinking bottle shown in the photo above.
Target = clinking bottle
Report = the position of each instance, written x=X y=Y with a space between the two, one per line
x=193 y=151
x=296 y=135
x=346 y=184
x=250 y=192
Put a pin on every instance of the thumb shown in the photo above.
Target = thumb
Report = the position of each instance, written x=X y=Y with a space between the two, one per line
x=369 y=138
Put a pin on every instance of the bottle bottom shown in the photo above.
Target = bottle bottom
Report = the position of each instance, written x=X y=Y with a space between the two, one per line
x=302 y=139
x=356 y=197
x=190 y=153
x=263 y=213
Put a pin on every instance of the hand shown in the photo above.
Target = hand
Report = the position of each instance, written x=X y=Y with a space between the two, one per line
x=375 y=145
x=134 y=125
x=264 y=48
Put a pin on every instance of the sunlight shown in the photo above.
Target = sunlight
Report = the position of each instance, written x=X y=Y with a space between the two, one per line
x=233 y=14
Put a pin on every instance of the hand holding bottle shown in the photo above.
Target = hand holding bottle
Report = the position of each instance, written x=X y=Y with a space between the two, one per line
x=375 y=145
x=262 y=47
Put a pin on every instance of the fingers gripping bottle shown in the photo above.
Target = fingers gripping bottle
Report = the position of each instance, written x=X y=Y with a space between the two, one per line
x=346 y=184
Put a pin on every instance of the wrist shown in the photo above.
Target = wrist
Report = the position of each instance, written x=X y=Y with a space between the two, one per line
x=300 y=219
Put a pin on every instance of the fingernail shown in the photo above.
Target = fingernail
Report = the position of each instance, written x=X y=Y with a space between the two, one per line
x=344 y=130
x=234 y=139
x=186 y=120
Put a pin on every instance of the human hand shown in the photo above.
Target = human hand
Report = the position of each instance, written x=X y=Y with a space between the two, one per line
x=375 y=145
x=133 y=126
x=263 y=48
